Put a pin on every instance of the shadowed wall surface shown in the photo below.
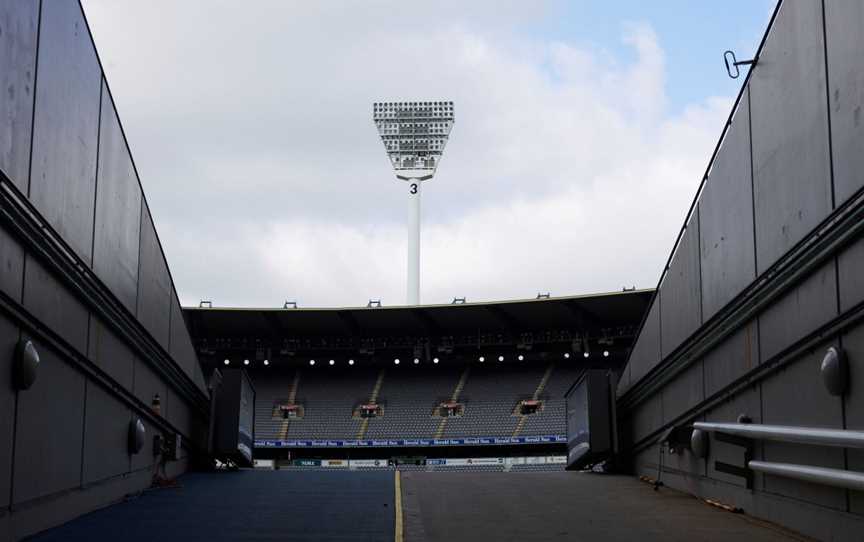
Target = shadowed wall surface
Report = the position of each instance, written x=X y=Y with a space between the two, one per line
x=764 y=279
x=84 y=278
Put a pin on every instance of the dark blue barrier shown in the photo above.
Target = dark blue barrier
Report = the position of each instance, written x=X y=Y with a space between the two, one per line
x=380 y=443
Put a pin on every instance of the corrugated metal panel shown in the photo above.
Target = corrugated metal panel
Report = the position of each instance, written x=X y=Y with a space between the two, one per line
x=844 y=20
x=853 y=344
x=726 y=218
x=746 y=403
x=66 y=125
x=646 y=352
x=111 y=354
x=154 y=284
x=850 y=262
x=788 y=105
x=797 y=396
x=798 y=312
x=734 y=357
x=680 y=293
x=19 y=21
x=118 y=211
x=8 y=341
x=181 y=349
x=49 y=430
x=49 y=301
x=683 y=393
x=11 y=266
x=106 y=436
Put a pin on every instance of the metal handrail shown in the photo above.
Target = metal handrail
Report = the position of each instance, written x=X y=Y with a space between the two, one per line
x=785 y=433
x=802 y=435
x=820 y=475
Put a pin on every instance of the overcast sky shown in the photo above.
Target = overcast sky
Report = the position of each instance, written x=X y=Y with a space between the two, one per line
x=581 y=134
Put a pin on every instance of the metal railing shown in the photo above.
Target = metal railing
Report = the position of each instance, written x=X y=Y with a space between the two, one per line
x=743 y=433
x=786 y=433
x=819 y=475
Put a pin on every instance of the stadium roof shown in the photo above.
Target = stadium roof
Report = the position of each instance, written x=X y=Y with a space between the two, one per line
x=518 y=330
x=593 y=311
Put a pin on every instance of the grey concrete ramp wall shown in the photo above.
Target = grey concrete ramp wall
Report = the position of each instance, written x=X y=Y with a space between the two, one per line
x=766 y=275
x=83 y=276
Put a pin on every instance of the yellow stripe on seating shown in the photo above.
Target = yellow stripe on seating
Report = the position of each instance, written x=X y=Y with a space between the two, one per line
x=398 y=537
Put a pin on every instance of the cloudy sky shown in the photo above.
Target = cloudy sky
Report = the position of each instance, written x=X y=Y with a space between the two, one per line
x=582 y=131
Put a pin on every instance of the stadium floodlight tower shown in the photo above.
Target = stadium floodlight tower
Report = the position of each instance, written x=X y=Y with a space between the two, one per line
x=414 y=135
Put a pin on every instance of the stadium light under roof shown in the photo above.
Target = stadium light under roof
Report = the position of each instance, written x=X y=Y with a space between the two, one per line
x=414 y=136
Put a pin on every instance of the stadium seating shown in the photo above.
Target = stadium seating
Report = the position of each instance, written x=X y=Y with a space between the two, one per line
x=409 y=397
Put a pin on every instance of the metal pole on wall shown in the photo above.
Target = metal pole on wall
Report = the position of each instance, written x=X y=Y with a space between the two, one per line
x=413 y=280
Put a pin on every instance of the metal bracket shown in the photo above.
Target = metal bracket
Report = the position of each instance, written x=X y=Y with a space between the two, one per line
x=415 y=178
x=735 y=470
x=732 y=62
x=677 y=438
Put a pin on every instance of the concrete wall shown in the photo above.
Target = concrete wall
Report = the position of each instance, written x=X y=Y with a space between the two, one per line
x=766 y=276
x=82 y=275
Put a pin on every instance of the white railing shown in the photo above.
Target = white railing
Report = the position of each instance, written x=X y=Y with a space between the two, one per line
x=819 y=475
x=787 y=433
x=799 y=435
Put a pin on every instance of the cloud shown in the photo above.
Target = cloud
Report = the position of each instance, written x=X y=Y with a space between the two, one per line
x=252 y=132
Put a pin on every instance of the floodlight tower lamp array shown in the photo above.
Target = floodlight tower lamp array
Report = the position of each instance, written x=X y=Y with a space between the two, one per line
x=414 y=136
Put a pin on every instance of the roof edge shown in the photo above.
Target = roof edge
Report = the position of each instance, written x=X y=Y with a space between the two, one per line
x=436 y=305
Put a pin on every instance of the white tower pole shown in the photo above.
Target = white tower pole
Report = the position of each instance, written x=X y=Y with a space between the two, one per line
x=413 y=281
x=414 y=135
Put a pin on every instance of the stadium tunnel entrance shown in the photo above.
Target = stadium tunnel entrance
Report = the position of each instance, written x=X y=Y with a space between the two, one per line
x=474 y=380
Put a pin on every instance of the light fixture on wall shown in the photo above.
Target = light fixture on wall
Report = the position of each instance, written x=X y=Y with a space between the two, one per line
x=137 y=434
x=25 y=365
